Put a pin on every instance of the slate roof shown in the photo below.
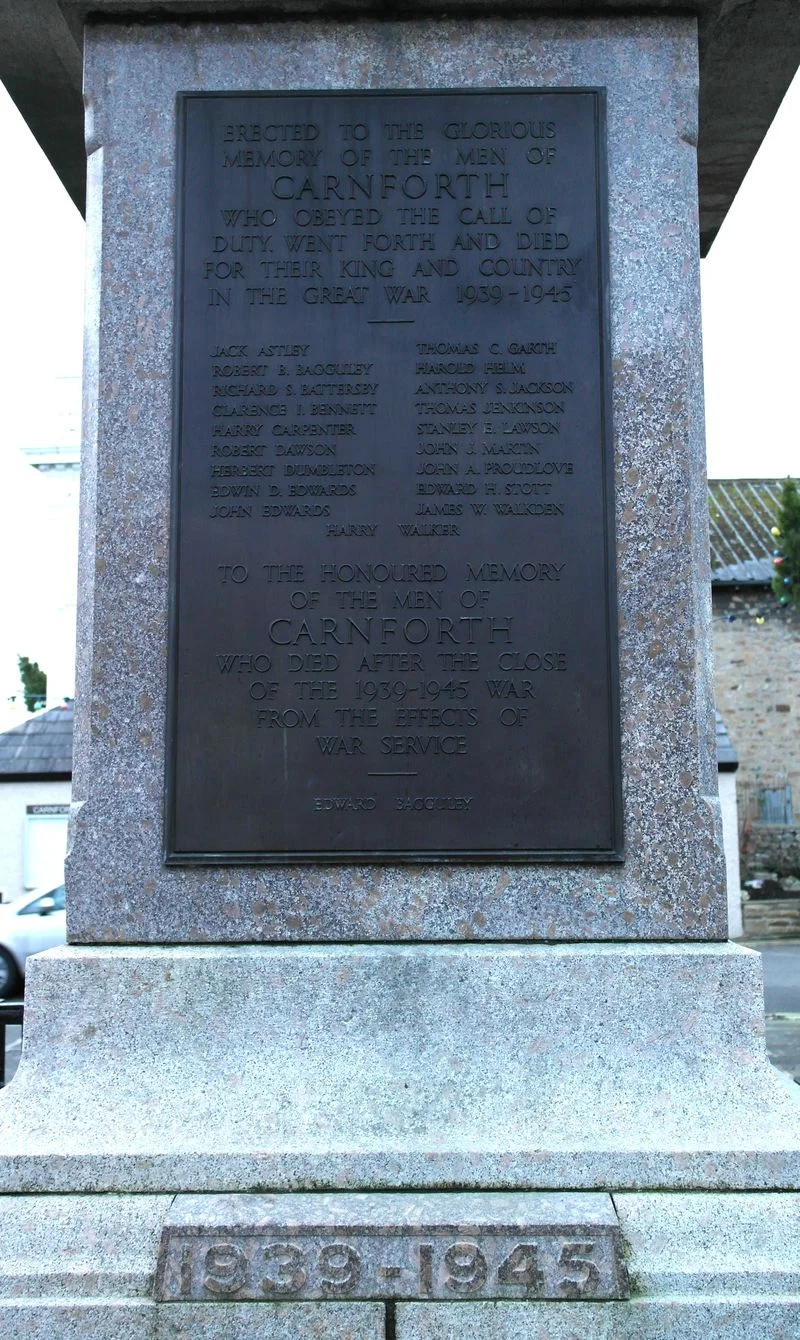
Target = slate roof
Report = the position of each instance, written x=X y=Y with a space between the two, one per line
x=727 y=758
x=40 y=748
x=740 y=513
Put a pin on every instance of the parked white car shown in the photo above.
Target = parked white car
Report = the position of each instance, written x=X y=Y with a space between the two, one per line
x=33 y=922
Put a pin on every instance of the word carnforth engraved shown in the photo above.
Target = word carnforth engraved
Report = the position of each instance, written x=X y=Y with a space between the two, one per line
x=393 y=630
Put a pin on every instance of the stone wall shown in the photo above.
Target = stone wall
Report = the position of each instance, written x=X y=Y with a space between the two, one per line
x=773 y=847
x=757 y=688
x=772 y=919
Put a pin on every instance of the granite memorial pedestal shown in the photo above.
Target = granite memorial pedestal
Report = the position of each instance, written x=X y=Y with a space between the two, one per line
x=315 y=1062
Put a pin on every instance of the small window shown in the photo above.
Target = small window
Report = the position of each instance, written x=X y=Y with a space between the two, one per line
x=775 y=805
x=34 y=908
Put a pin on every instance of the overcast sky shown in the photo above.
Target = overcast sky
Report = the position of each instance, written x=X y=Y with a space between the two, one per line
x=751 y=310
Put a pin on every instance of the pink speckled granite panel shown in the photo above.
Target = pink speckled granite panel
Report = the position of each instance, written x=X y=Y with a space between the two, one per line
x=671 y=885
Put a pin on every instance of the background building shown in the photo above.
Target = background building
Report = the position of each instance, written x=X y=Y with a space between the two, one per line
x=39 y=547
x=35 y=787
x=757 y=657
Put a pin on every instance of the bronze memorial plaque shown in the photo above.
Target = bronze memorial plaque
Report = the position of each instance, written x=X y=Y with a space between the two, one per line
x=393 y=611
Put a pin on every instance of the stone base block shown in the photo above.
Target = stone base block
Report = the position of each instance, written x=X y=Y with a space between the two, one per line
x=381 y=1067
x=725 y=1319
x=700 y=1265
x=221 y=1321
x=390 y=1246
x=642 y=1319
x=70 y=1320
x=271 y=1321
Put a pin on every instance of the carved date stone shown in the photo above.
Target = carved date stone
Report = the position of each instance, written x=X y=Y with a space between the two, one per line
x=485 y=1245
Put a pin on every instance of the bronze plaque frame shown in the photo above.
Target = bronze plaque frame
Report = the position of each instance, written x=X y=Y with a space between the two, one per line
x=393 y=614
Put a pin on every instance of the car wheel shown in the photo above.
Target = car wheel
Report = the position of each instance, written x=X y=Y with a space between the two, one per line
x=9 y=974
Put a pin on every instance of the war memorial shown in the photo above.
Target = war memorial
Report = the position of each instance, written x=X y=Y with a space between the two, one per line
x=398 y=1001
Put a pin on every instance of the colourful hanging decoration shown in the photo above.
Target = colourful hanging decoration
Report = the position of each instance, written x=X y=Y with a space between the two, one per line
x=786 y=556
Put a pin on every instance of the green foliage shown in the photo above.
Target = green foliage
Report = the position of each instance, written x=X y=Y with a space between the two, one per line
x=34 y=682
x=788 y=545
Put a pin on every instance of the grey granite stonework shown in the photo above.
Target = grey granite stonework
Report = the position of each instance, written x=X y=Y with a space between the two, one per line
x=378 y=1245
x=712 y=1244
x=386 y=1213
x=742 y=1318
x=700 y=1265
x=671 y=885
x=85 y=1247
x=249 y=1068
x=271 y=1321
x=132 y=1320
x=36 y=1319
x=187 y=1069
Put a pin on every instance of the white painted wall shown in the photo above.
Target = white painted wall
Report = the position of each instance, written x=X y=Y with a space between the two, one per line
x=730 y=843
x=39 y=542
x=45 y=848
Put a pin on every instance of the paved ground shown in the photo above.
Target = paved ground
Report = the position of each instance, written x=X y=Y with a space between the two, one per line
x=781 y=966
x=13 y=1049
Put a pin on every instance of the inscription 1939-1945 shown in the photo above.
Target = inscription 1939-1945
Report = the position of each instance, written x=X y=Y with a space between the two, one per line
x=393 y=614
x=343 y=1265
x=470 y=1245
